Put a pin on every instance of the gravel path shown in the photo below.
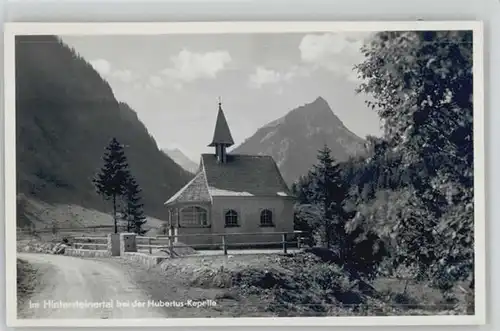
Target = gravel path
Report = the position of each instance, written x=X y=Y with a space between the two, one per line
x=70 y=287
x=108 y=284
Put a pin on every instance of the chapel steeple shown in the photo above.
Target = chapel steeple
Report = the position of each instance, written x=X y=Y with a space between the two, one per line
x=222 y=136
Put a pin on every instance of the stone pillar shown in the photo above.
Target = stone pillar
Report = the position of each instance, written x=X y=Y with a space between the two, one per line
x=114 y=244
x=128 y=242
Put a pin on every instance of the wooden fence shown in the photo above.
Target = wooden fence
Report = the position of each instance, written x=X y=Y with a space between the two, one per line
x=69 y=230
x=96 y=243
x=168 y=242
x=150 y=243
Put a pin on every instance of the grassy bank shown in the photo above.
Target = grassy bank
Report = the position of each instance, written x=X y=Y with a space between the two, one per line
x=302 y=285
x=26 y=280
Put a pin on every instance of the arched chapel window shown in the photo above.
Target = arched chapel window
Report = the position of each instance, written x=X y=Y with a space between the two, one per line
x=266 y=218
x=231 y=218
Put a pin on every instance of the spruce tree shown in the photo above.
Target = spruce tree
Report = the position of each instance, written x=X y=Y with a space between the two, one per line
x=327 y=191
x=324 y=208
x=110 y=182
x=133 y=207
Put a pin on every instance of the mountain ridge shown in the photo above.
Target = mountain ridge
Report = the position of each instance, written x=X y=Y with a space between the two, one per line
x=181 y=159
x=294 y=139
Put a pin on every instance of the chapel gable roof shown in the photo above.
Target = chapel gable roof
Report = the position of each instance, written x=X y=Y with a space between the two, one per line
x=194 y=191
x=244 y=175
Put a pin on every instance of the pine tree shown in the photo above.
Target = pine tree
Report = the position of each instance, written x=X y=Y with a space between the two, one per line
x=110 y=182
x=323 y=207
x=133 y=207
x=327 y=191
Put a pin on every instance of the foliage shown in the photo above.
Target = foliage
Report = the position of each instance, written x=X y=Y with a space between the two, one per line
x=114 y=178
x=397 y=217
x=322 y=193
x=134 y=213
x=305 y=215
x=321 y=212
x=420 y=84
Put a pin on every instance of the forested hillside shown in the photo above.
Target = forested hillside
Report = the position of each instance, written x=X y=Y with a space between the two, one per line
x=66 y=114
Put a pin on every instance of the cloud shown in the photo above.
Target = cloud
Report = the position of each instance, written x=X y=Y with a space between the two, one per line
x=138 y=85
x=188 y=66
x=106 y=70
x=153 y=83
x=156 y=81
x=264 y=76
x=125 y=75
x=336 y=52
x=102 y=66
x=333 y=51
x=296 y=71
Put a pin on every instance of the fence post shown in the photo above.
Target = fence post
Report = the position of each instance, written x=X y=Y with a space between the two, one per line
x=299 y=238
x=224 y=246
x=149 y=243
x=171 y=243
x=284 y=243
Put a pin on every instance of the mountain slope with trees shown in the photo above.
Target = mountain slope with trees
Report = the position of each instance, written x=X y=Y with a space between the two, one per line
x=66 y=114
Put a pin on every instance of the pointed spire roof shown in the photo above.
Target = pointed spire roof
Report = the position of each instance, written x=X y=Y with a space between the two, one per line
x=222 y=135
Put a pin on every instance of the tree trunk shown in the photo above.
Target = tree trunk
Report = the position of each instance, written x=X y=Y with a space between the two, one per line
x=114 y=213
x=128 y=220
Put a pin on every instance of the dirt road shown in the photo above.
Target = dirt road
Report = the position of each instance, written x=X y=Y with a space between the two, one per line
x=70 y=287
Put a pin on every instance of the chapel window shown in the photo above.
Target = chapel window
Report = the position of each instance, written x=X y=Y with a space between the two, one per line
x=194 y=216
x=231 y=218
x=266 y=218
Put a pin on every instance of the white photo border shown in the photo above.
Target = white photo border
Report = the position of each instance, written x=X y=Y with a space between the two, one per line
x=124 y=28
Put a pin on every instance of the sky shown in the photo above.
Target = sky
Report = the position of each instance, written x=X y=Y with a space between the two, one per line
x=174 y=82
